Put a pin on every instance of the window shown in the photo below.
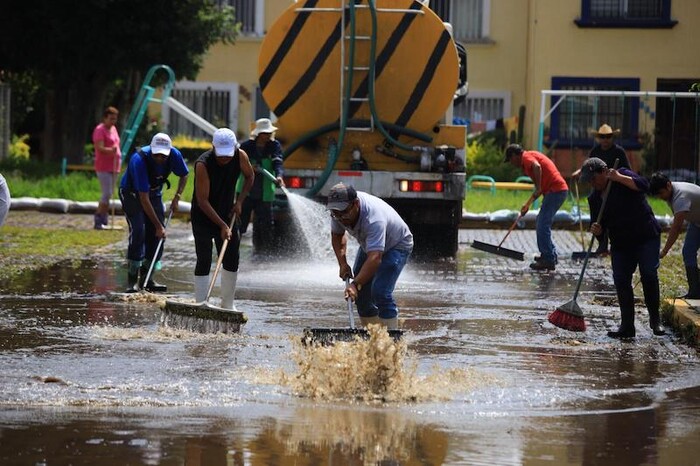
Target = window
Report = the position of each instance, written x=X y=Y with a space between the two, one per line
x=215 y=102
x=469 y=18
x=249 y=13
x=626 y=13
x=574 y=119
x=484 y=106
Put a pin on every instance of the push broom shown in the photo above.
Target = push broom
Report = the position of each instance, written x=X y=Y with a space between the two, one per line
x=501 y=251
x=205 y=317
x=328 y=336
x=569 y=315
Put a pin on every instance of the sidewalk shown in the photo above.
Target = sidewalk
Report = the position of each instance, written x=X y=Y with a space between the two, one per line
x=685 y=319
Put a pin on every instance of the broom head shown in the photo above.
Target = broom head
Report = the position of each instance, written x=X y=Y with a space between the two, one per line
x=328 y=336
x=569 y=317
x=201 y=317
x=517 y=255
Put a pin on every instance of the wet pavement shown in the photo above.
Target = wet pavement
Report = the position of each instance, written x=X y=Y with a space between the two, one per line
x=87 y=379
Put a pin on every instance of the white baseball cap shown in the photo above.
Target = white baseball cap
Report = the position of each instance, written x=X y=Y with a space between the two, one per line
x=225 y=142
x=161 y=144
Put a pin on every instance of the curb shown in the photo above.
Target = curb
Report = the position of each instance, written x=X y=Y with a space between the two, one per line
x=685 y=319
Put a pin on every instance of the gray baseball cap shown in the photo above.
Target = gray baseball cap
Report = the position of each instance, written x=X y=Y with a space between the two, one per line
x=590 y=167
x=340 y=197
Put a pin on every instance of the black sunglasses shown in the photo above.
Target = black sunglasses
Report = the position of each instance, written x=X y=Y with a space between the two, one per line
x=605 y=136
x=341 y=213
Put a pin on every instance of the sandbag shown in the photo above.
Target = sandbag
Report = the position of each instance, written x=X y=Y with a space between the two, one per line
x=54 y=205
x=82 y=207
x=24 y=203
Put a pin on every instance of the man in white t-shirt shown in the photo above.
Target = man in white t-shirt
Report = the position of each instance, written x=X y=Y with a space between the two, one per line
x=684 y=200
x=386 y=243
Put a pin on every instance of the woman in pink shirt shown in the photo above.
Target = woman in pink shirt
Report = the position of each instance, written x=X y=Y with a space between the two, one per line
x=108 y=159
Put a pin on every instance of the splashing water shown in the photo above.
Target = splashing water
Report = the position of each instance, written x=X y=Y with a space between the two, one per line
x=314 y=222
x=379 y=369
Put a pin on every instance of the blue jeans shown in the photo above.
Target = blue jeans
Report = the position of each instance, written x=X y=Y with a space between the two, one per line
x=142 y=234
x=550 y=205
x=691 y=246
x=377 y=296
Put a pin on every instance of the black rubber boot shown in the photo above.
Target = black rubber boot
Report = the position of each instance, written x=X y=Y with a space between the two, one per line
x=693 y=275
x=151 y=286
x=652 y=299
x=626 y=300
x=133 y=283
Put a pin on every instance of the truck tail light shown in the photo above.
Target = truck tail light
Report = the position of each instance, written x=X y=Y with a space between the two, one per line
x=298 y=182
x=418 y=186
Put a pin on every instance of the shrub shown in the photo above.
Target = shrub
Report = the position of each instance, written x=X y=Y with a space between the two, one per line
x=19 y=148
x=485 y=157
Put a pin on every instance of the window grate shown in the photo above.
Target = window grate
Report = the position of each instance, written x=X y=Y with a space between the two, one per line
x=575 y=117
x=627 y=9
x=245 y=12
x=465 y=16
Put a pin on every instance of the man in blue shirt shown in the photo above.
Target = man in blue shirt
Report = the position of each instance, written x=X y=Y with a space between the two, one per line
x=140 y=191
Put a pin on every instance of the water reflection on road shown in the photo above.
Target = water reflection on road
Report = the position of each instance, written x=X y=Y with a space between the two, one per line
x=89 y=380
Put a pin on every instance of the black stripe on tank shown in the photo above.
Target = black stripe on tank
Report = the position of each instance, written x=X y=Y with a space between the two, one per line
x=424 y=81
x=286 y=44
x=384 y=56
x=311 y=72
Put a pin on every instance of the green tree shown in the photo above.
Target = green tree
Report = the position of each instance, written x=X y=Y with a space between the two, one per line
x=87 y=54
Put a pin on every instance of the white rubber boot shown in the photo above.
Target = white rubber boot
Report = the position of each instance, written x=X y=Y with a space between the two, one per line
x=370 y=320
x=201 y=286
x=228 y=289
x=391 y=324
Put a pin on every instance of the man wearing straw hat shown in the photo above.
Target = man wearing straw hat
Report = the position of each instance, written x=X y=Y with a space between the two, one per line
x=606 y=150
x=265 y=153
x=213 y=209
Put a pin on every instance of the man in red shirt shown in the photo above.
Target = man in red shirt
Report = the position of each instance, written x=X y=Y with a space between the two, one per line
x=551 y=185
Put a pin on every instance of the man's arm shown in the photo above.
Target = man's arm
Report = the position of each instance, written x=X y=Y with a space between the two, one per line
x=249 y=175
x=178 y=194
x=676 y=227
x=340 y=248
x=145 y=201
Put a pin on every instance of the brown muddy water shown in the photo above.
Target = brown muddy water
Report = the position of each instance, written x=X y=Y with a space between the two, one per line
x=482 y=378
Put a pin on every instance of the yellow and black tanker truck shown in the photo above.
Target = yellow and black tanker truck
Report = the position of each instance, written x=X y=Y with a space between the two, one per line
x=363 y=93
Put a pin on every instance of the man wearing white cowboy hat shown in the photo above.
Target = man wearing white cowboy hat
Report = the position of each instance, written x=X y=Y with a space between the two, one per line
x=265 y=153
x=606 y=150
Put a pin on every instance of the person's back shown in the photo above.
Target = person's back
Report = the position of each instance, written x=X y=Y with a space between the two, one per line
x=686 y=198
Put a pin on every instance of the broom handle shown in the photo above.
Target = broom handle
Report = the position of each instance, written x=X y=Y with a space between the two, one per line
x=598 y=219
x=160 y=245
x=512 y=227
x=350 y=313
x=580 y=220
x=221 y=254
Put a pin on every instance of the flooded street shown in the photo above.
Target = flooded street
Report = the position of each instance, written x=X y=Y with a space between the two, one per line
x=89 y=379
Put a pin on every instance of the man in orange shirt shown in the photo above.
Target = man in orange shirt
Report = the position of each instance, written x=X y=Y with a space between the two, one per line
x=551 y=185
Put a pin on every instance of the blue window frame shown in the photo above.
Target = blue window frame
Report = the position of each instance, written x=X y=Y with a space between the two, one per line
x=573 y=120
x=626 y=14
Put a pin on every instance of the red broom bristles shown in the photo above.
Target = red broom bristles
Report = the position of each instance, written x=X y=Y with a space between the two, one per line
x=567 y=321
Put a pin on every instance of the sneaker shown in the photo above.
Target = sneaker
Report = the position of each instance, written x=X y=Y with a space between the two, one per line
x=542 y=265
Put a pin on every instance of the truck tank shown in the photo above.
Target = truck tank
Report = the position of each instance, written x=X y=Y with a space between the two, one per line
x=361 y=92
